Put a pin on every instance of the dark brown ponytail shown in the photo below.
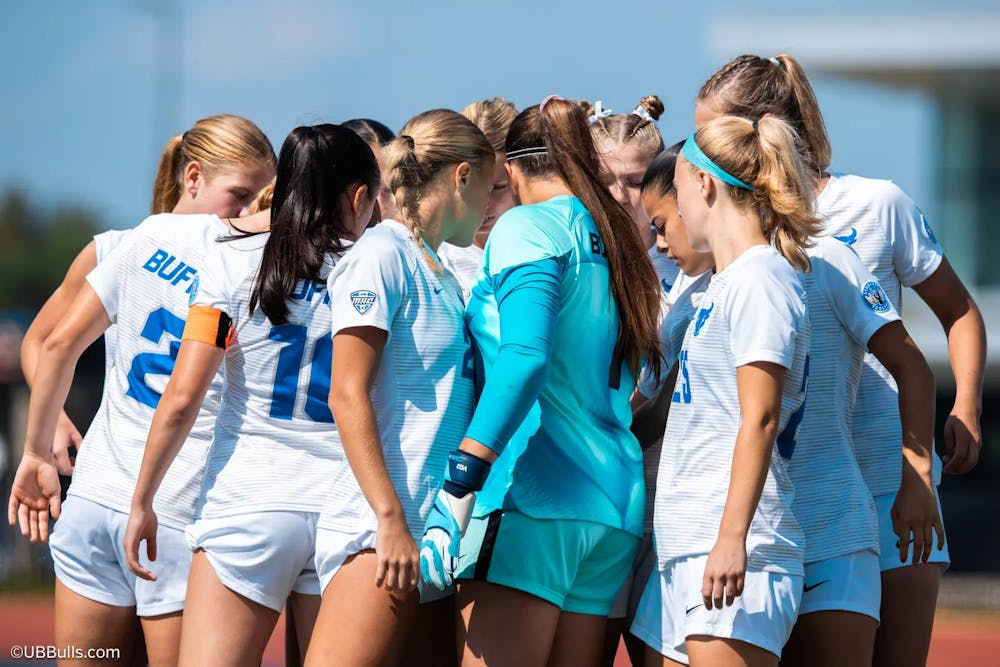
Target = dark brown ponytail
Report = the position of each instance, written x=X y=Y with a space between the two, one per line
x=562 y=128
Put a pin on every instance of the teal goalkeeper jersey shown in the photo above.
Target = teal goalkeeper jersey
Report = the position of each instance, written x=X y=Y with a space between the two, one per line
x=573 y=457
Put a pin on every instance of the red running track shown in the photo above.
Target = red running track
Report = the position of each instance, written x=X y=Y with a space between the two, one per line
x=961 y=639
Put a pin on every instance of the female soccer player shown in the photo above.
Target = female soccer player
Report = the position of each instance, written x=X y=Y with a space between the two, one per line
x=493 y=117
x=564 y=313
x=627 y=144
x=261 y=307
x=896 y=243
x=849 y=313
x=652 y=399
x=729 y=550
x=402 y=396
x=143 y=288
x=213 y=141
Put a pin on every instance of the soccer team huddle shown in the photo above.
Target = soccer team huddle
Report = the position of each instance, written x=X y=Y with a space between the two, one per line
x=506 y=388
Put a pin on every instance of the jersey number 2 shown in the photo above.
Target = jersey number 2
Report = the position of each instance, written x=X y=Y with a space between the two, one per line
x=286 y=376
x=159 y=323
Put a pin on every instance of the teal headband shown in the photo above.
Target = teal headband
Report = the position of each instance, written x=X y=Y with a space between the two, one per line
x=693 y=154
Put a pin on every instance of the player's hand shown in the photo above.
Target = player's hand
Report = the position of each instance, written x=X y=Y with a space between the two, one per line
x=34 y=496
x=962 y=440
x=142 y=525
x=443 y=531
x=725 y=571
x=915 y=512
x=67 y=436
x=398 y=560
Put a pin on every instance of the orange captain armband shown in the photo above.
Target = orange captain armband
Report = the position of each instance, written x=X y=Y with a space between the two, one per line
x=208 y=325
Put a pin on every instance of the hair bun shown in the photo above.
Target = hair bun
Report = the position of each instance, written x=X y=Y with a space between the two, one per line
x=653 y=106
x=408 y=140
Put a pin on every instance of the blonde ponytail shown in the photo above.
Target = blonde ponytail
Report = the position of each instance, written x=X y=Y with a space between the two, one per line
x=426 y=145
x=220 y=144
x=166 y=186
x=766 y=155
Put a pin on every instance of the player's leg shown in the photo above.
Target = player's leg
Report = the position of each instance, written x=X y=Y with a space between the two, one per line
x=304 y=609
x=831 y=639
x=85 y=624
x=615 y=630
x=838 y=613
x=909 y=598
x=909 y=594
x=358 y=622
x=240 y=640
x=94 y=597
x=718 y=652
x=163 y=635
x=159 y=603
x=653 y=659
x=643 y=570
x=503 y=626
x=578 y=640
x=432 y=638
x=293 y=654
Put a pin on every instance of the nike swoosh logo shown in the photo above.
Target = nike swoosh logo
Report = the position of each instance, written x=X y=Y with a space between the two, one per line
x=693 y=608
x=849 y=239
x=437 y=290
x=816 y=585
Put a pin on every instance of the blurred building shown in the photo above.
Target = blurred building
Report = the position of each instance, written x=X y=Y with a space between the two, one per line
x=954 y=59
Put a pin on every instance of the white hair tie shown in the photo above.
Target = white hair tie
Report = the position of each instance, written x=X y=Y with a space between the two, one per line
x=599 y=112
x=641 y=112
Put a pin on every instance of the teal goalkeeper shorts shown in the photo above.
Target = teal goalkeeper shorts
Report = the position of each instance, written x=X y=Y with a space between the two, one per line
x=579 y=566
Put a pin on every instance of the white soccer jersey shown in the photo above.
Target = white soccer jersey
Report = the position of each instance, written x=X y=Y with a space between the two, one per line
x=683 y=300
x=145 y=285
x=753 y=311
x=104 y=244
x=682 y=303
x=666 y=269
x=896 y=243
x=424 y=391
x=463 y=264
x=275 y=441
x=846 y=307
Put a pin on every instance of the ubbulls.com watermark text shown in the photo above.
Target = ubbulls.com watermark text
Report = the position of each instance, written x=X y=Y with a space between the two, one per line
x=49 y=652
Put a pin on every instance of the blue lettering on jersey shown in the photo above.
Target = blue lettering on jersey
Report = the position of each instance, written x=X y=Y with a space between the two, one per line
x=160 y=324
x=363 y=300
x=927 y=229
x=161 y=263
x=597 y=245
x=305 y=290
x=683 y=392
x=849 y=239
x=702 y=318
x=875 y=297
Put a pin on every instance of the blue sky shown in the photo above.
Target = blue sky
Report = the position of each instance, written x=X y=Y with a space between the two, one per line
x=83 y=117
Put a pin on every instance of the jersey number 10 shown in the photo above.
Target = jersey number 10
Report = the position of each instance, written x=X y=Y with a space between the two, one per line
x=162 y=322
x=286 y=376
